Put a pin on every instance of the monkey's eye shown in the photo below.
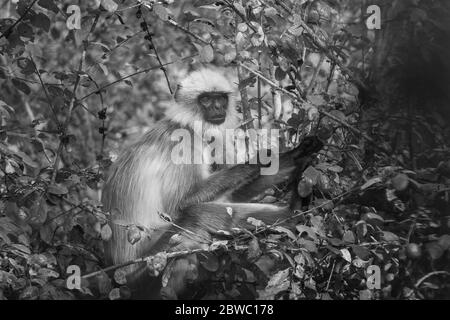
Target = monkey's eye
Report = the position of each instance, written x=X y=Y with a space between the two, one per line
x=222 y=100
x=205 y=101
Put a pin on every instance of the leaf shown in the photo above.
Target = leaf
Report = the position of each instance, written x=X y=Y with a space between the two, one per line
x=309 y=245
x=335 y=168
x=206 y=54
x=279 y=74
x=120 y=276
x=270 y=11
x=306 y=231
x=312 y=174
x=361 y=252
x=371 y=182
x=133 y=235
x=161 y=12
x=240 y=8
x=444 y=241
x=211 y=263
x=434 y=250
x=279 y=281
x=346 y=255
x=48 y=4
x=109 y=5
x=26 y=66
x=400 y=182
x=57 y=189
x=29 y=293
x=106 y=232
x=304 y=188
x=255 y=222
x=389 y=237
x=373 y=218
x=242 y=27
x=361 y=229
x=22 y=86
x=240 y=40
x=48 y=273
x=114 y=294
x=41 y=21
x=253 y=250
x=286 y=231
x=349 y=236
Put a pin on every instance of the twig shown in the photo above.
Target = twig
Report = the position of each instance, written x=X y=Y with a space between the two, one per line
x=49 y=101
x=132 y=75
x=323 y=46
x=419 y=282
x=177 y=26
x=231 y=5
x=331 y=274
x=72 y=101
x=169 y=255
x=6 y=33
x=163 y=69
x=259 y=90
x=315 y=74
x=292 y=95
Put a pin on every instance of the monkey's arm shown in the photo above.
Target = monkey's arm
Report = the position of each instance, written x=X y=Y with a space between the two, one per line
x=245 y=181
x=221 y=182
x=293 y=162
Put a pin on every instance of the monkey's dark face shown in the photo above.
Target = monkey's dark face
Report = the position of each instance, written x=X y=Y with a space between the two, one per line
x=214 y=106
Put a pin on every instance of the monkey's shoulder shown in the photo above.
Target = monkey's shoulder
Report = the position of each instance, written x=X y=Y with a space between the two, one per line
x=161 y=134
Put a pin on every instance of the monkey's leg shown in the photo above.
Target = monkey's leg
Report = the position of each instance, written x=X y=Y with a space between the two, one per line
x=194 y=229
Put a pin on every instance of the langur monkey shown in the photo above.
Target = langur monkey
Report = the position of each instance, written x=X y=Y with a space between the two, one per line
x=144 y=181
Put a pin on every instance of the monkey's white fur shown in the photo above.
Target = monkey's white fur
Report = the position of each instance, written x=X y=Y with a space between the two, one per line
x=204 y=80
x=144 y=181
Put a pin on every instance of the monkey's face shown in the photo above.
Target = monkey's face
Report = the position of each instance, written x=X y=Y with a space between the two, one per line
x=214 y=106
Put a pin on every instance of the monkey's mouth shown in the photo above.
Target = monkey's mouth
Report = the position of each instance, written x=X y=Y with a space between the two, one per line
x=216 y=120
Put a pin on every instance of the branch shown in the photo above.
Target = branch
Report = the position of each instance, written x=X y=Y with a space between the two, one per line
x=49 y=101
x=6 y=33
x=323 y=46
x=176 y=25
x=419 y=282
x=163 y=69
x=132 y=75
x=73 y=99
x=295 y=97
x=231 y=5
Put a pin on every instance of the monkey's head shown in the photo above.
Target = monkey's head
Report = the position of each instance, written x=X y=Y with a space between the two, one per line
x=205 y=95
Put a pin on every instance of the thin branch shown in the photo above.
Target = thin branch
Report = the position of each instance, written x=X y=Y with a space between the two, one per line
x=177 y=26
x=73 y=100
x=49 y=101
x=323 y=47
x=434 y=273
x=292 y=95
x=259 y=90
x=6 y=33
x=231 y=5
x=163 y=69
x=132 y=75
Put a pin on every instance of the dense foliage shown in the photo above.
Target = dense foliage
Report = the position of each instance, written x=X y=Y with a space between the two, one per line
x=377 y=195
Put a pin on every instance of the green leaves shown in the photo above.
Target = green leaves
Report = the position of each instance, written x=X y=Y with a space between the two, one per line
x=109 y=5
x=161 y=12
x=41 y=21
x=49 y=5
x=206 y=53
x=22 y=86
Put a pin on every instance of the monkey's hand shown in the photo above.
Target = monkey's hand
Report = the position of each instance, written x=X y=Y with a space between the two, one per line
x=305 y=149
